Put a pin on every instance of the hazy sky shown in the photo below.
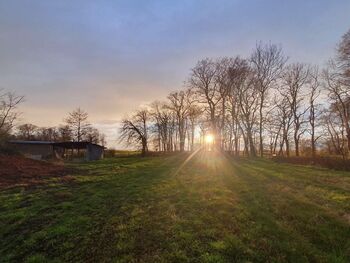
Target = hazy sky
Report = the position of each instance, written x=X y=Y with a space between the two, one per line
x=109 y=57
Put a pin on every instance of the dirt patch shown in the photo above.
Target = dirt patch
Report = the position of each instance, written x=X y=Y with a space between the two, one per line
x=19 y=171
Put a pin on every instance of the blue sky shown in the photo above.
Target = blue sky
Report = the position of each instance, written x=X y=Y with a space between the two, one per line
x=109 y=57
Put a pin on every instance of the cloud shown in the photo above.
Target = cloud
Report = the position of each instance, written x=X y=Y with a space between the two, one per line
x=109 y=57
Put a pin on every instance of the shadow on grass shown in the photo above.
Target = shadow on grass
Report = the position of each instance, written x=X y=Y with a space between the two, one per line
x=214 y=210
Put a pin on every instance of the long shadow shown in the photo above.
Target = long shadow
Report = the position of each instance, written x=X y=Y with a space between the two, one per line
x=82 y=209
x=276 y=219
x=147 y=209
x=288 y=215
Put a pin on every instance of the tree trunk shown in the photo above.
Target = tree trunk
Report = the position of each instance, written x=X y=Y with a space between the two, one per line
x=144 y=147
x=313 y=144
x=182 y=145
x=287 y=147
x=296 y=142
x=261 y=130
x=251 y=143
x=236 y=145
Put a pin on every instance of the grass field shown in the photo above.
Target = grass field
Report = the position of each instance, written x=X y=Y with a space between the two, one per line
x=210 y=209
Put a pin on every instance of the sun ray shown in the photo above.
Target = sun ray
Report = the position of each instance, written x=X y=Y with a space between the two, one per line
x=187 y=160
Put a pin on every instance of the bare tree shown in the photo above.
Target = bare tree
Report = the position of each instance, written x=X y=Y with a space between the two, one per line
x=274 y=125
x=27 y=131
x=337 y=78
x=64 y=133
x=203 y=81
x=103 y=140
x=343 y=59
x=295 y=77
x=193 y=114
x=267 y=62
x=284 y=117
x=339 y=95
x=234 y=102
x=336 y=132
x=134 y=130
x=180 y=103
x=9 y=102
x=93 y=135
x=163 y=129
x=314 y=112
x=238 y=74
x=47 y=134
x=224 y=82
x=78 y=124
x=248 y=106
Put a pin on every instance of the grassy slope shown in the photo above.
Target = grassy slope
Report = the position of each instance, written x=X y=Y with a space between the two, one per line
x=212 y=210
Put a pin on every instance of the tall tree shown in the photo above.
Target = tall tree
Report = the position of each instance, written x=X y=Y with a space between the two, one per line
x=180 y=103
x=193 y=114
x=203 y=81
x=248 y=99
x=284 y=118
x=267 y=62
x=295 y=78
x=238 y=74
x=78 y=124
x=339 y=96
x=162 y=119
x=337 y=78
x=342 y=59
x=224 y=82
x=314 y=112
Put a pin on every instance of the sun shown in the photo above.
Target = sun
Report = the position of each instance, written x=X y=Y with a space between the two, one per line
x=209 y=138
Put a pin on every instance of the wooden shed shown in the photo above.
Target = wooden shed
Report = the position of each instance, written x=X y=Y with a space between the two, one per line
x=47 y=150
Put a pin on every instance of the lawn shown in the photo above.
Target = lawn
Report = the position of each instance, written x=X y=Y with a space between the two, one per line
x=165 y=209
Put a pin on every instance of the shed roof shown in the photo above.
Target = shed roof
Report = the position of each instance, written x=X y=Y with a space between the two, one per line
x=31 y=142
x=75 y=145
x=67 y=145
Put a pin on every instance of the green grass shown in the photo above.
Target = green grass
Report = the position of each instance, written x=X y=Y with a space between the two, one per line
x=212 y=209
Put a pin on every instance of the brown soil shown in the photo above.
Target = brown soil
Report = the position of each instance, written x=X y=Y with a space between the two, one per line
x=19 y=171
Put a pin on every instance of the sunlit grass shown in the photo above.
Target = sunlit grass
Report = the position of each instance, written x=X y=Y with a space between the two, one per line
x=199 y=208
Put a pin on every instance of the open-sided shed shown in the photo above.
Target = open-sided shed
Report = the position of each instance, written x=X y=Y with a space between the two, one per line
x=47 y=149
x=92 y=151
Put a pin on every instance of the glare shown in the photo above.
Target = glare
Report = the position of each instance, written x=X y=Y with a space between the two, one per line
x=209 y=138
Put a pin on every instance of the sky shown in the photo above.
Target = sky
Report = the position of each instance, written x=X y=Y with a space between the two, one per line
x=111 y=57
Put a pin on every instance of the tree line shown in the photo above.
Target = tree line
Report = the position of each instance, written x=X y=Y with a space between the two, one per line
x=254 y=106
x=76 y=126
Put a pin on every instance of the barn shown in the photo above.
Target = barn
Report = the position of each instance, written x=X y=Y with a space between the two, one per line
x=61 y=150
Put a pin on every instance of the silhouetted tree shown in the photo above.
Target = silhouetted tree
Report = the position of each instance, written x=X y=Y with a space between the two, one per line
x=134 y=130
x=295 y=78
x=9 y=102
x=27 y=131
x=64 y=133
x=78 y=124
x=180 y=103
x=314 y=112
x=267 y=63
x=203 y=81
